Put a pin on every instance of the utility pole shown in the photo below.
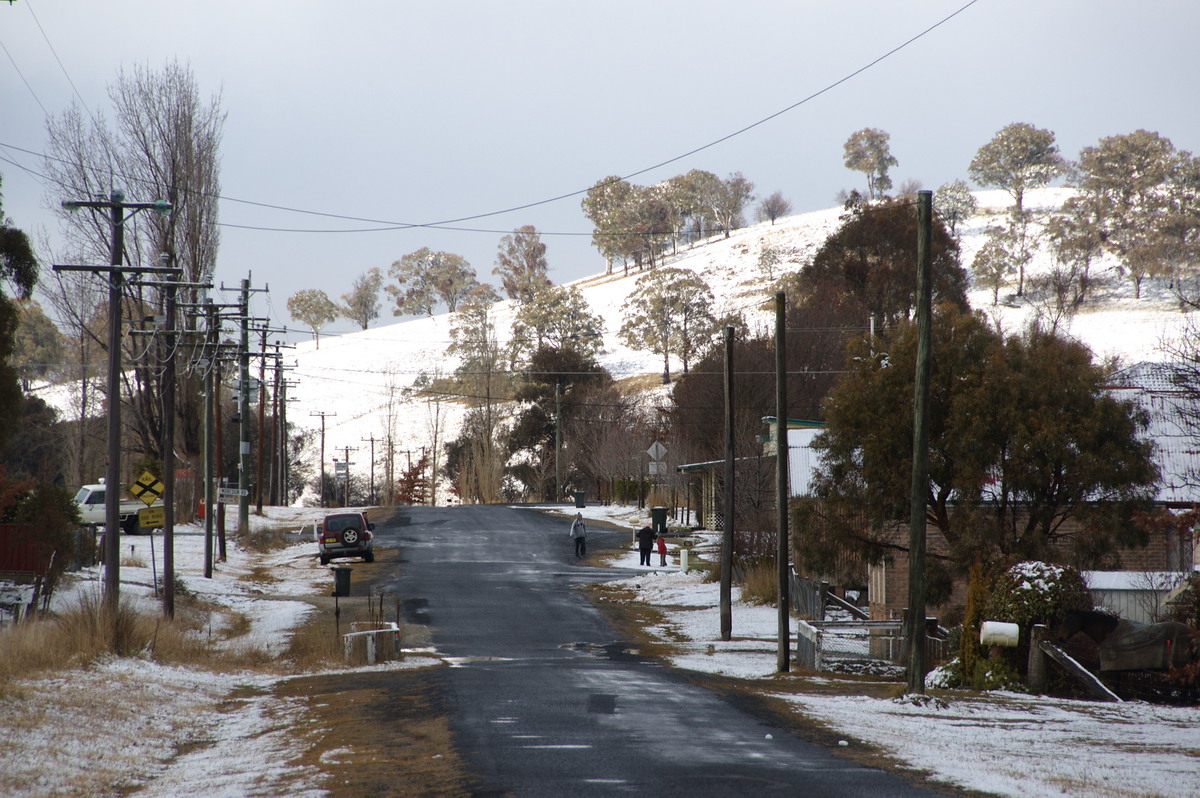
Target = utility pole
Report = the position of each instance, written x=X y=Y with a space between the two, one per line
x=371 y=492
x=781 y=484
x=726 y=591
x=557 y=440
x=169 y=342
x=168 y=450
x=210 y=413
x=262 y=401
x=347 y=463
x=116 y=206
x=920 y=465
x=321 y=474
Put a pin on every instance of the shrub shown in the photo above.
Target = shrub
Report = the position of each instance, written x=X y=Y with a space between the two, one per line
x=1037 y=592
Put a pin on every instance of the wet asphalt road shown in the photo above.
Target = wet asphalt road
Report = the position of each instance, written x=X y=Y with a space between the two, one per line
x=545 y=701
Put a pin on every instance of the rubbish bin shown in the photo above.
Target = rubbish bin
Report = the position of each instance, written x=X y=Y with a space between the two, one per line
x=658 y=520
x=341 y=579
x=579 y=499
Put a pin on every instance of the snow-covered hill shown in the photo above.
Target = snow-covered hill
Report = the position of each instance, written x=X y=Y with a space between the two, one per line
x=355 y=378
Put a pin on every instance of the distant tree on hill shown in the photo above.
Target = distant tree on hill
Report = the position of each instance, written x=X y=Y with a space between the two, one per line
x=735 y=194
x=638 y=223
x=773 y=207
x=868 y=151
x=314 y=308
x=521 y=263
x=551 y=389
x=602 y=206
x=1018 y=158
x=1139 y=194
x=955 y=203
x=1075 y=244
x=669 y=313
x=993 y=264
x=361 y=304
x=557 y=317
x=424 y=277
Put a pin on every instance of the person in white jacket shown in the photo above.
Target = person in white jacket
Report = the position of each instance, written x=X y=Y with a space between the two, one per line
x=579 y=535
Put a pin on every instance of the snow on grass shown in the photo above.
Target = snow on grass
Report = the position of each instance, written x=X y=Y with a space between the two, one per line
x=1000 y=743
x=1028 y=746
x=126 y=724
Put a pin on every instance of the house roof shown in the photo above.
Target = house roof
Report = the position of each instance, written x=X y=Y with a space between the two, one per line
x=1162 y=390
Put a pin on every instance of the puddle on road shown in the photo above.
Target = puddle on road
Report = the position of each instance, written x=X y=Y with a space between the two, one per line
x=617 y=652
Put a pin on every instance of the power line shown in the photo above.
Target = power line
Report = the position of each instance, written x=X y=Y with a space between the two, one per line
x=445 y=224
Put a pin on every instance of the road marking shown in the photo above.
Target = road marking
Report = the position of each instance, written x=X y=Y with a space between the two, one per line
x=560 y=746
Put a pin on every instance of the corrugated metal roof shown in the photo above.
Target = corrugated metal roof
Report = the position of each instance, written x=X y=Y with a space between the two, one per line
x=1162 y=391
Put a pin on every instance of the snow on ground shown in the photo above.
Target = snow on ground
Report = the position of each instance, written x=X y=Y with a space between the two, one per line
x=1000 y=743
x=132 y=724
x=169 y=731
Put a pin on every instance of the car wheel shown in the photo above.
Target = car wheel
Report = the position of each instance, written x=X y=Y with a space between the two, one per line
x=324 y=560
x=350 y=536
x=130 y=525
x=369 y=556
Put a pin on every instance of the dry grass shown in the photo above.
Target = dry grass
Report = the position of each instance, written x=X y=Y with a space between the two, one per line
x=266 y=539
x=80 y=635
x=761 y=585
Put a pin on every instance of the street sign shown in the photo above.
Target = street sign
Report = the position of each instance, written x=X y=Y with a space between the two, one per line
x=152 y=517
x=656 y=451
x=148 y=488
x=232 y=492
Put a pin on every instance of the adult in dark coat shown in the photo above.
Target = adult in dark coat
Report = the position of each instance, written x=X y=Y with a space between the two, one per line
x=645 y=538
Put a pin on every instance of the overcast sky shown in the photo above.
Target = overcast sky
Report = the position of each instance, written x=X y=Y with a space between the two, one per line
x=415 y=113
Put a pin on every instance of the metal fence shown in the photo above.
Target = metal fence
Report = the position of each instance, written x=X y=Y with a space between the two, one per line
x=852 y=646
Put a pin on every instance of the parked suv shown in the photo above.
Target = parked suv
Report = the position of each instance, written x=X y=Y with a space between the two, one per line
x=345 y=535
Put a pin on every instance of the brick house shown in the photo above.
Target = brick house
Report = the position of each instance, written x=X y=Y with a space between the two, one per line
x=1156 y=389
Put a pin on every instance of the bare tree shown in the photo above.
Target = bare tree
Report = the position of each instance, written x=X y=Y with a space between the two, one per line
x=774 y=207
x=163 y=144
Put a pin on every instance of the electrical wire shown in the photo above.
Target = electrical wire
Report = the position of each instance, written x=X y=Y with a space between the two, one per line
x=445 y=224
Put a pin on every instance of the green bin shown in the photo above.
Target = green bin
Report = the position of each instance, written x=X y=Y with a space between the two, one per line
x=341 y=579
x=658 y=520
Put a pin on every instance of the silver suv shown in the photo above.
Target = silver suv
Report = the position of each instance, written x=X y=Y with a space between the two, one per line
x=345 y=535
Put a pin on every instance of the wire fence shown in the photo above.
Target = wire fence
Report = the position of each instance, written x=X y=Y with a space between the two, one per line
x=858 y=646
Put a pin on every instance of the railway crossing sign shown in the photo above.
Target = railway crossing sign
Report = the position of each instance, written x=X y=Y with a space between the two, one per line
x=148 y=488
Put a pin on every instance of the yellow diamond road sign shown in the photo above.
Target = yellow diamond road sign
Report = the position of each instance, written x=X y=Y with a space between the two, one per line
x=148 y=488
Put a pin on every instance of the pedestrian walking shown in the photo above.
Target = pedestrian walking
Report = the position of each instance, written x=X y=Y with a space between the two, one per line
x=662 y=551
x=579 y=535
x=645 y=538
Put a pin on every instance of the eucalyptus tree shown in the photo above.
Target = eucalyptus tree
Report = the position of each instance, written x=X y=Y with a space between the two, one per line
x=869 y=151
x=669 y=312
x=521 y=263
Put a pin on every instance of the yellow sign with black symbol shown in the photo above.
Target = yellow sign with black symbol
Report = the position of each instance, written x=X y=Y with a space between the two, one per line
x=152 y=517
x=148 y=488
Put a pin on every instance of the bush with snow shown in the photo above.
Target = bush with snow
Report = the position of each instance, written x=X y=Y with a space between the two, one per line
x=1036 y=592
